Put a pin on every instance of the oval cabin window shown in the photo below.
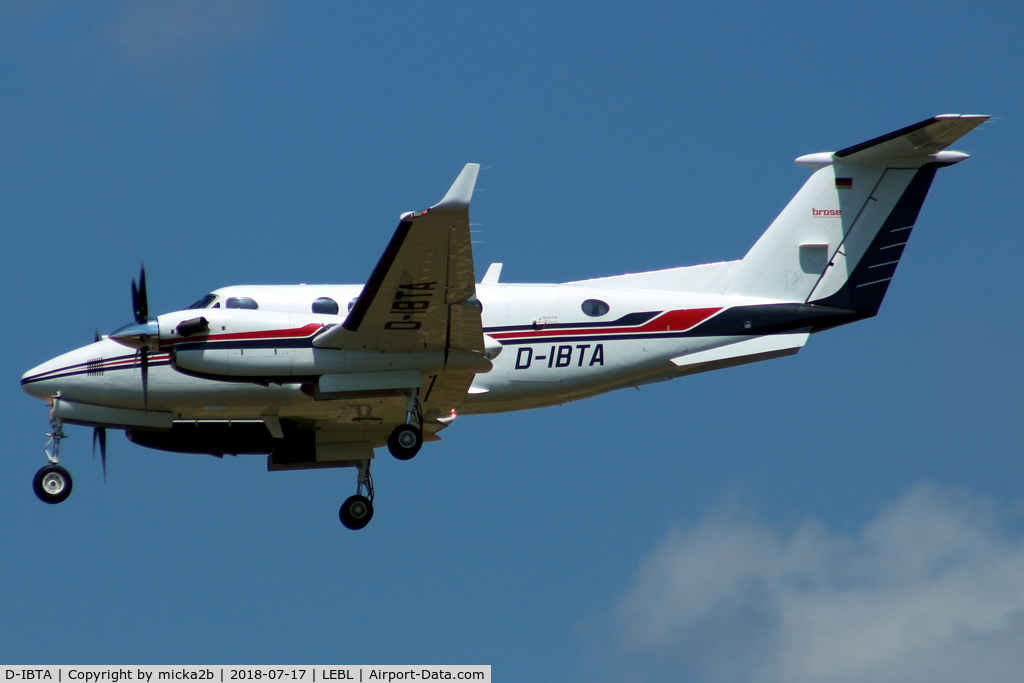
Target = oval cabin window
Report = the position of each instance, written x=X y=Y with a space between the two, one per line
x=326 y=305
x=241 y=302
x=595 y=308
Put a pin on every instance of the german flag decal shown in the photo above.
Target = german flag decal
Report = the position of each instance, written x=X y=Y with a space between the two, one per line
x=844 y=183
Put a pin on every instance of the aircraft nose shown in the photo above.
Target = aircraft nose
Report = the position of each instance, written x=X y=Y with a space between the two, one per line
x=70 y=374
x=40 y=382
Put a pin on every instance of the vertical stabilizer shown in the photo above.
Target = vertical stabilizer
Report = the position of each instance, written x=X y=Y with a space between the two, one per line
x=838 y=241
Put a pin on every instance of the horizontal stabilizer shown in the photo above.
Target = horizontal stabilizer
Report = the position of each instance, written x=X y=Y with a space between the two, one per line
x=922 y=139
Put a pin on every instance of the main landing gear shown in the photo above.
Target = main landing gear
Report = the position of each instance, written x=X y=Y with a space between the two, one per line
x=357 y=511
x=52 y=484
x=405 y=441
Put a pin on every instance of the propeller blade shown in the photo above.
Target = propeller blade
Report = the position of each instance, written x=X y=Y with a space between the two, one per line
x=136 y=336
x=135 y=302
x=142 y=310
x=99 y=434
x=103 y=451
x=145 y=377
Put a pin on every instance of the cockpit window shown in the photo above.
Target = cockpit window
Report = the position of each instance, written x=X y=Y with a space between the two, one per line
x=325 y=304
x=241 y=302
x=204 y=302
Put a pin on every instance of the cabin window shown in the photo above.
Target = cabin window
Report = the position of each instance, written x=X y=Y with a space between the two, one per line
x=241 y=302
x=595 y=308
x=204 y=302
x=325 y=304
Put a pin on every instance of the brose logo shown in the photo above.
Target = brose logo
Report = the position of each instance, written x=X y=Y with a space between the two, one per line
x=826 y=212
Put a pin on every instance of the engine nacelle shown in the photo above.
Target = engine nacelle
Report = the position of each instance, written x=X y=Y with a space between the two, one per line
x=269 y=345
x=284 y=361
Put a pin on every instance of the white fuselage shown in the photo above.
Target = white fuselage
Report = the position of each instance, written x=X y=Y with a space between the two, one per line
x=551 y=351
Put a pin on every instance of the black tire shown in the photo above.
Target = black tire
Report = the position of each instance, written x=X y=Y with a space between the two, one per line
x=405 y=441
x=356 y=512
x=52 y=484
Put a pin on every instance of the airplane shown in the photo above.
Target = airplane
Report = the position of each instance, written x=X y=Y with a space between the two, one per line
x=319 y=376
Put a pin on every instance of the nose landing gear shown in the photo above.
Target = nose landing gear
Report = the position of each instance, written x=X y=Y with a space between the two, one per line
x=52 y=483
x=357 y=511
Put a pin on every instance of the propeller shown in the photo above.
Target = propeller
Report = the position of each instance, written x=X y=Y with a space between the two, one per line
x=137 y=336
x=99 y=434
x=139 y=302
x=140 y=306
x=141 y=333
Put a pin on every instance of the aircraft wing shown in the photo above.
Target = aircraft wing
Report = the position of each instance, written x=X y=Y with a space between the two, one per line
x=420 y=296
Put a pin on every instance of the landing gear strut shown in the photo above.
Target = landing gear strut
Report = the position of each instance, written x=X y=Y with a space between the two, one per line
x=357 y=511
x=405 y=440
x=52 y=484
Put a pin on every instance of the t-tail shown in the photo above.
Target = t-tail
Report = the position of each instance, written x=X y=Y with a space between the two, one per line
x=838 y=242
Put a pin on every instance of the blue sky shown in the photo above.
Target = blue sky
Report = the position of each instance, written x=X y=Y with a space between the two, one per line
x=853 y=513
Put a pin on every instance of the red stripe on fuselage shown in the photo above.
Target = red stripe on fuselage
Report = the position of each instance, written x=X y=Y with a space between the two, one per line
x=156 y=357
x=672 y=321
x=307 y=330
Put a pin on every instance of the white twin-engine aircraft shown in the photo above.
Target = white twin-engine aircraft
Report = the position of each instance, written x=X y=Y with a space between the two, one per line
x=319 y=376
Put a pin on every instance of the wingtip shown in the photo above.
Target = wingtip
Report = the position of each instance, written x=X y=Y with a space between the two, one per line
x=461 y=192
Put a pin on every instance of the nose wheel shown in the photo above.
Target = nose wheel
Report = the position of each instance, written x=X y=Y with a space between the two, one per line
x=357 y=511
x=52 y=484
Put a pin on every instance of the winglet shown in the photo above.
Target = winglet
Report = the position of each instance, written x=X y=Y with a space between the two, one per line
x=461 y=191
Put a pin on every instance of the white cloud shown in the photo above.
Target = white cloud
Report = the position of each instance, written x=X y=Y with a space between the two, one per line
x=932 y=589
x=174 y=47
x=156 y=32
